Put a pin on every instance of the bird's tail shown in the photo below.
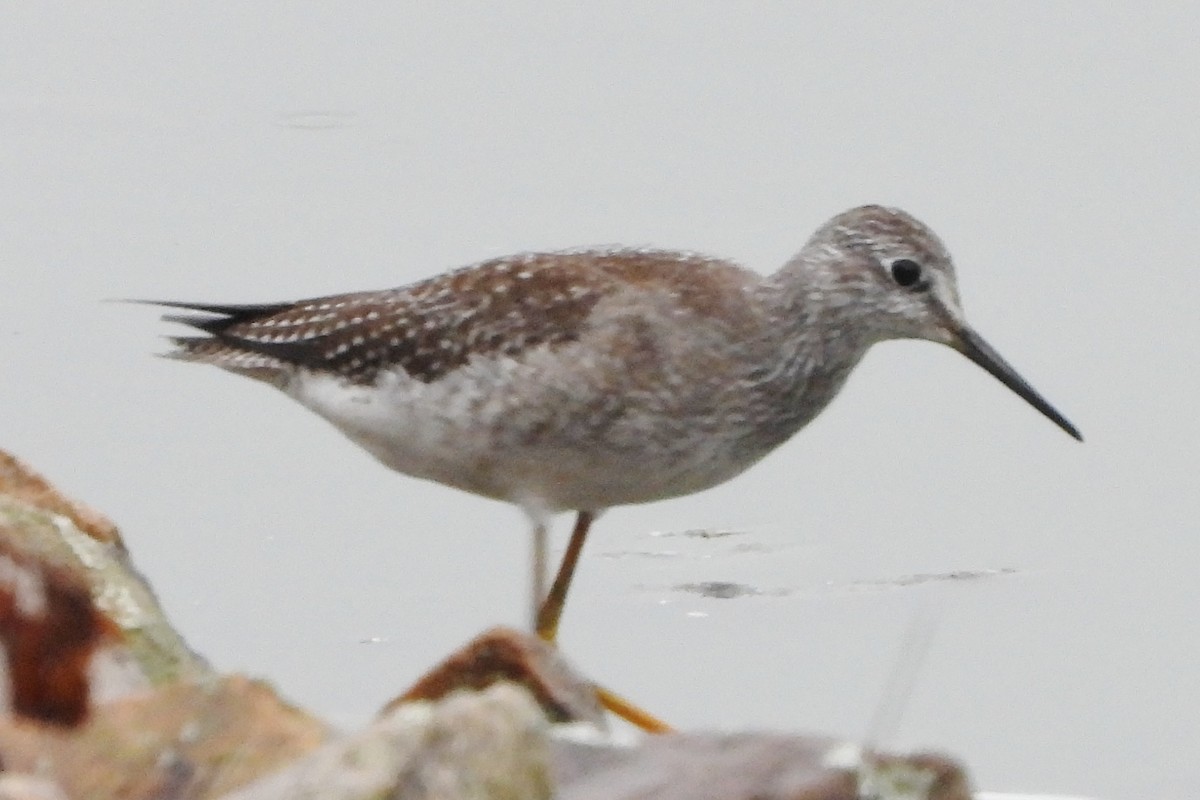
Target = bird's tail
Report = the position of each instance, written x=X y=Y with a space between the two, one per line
x=216 y=348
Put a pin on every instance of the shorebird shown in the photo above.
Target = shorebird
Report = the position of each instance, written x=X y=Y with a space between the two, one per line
x=581 y=380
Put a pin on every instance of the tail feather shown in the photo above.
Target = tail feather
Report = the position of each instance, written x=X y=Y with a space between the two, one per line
x=218 y=348
x=194 y=348
x=220 y=317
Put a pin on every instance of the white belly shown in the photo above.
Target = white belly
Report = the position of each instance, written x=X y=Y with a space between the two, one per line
x=531 y=447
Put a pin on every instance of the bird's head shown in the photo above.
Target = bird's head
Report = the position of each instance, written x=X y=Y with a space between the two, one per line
x=899 y=274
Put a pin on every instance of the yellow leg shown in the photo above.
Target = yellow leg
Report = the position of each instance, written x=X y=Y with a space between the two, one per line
x=632 y=714
x=551 y=609
x=550 y=613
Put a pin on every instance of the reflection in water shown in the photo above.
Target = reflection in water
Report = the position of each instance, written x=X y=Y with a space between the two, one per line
x=698 y=533
x=730 y=590
x=932 y=577
x=723 y=590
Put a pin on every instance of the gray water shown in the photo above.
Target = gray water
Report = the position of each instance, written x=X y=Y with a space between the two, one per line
x=257 y=153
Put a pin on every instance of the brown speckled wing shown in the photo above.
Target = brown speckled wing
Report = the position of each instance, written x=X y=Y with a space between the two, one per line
x=500 y=307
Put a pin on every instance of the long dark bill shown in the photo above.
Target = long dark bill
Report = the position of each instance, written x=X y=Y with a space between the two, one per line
x=972 y=345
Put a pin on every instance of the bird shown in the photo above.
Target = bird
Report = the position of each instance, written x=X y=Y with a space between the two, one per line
x=580 y=380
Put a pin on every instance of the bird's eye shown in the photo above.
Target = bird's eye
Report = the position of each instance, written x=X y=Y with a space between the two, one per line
x=906 y=272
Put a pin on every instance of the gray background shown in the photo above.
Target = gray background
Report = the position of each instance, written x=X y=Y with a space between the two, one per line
x=252 y=153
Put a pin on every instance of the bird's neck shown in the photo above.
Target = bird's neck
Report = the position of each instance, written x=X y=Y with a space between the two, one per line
x=817 y=311
x=817 y=332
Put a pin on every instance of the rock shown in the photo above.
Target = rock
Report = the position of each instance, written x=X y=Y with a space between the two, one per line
x=187 y=740
x=488 y=745
x=504 y=654
x=750 y=766
x=82 y=546
x=27 y=787
x=50 y=630
x=106 y=697
x=20 y=482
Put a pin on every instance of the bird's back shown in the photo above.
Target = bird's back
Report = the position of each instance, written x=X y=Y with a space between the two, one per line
x=499 y=308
